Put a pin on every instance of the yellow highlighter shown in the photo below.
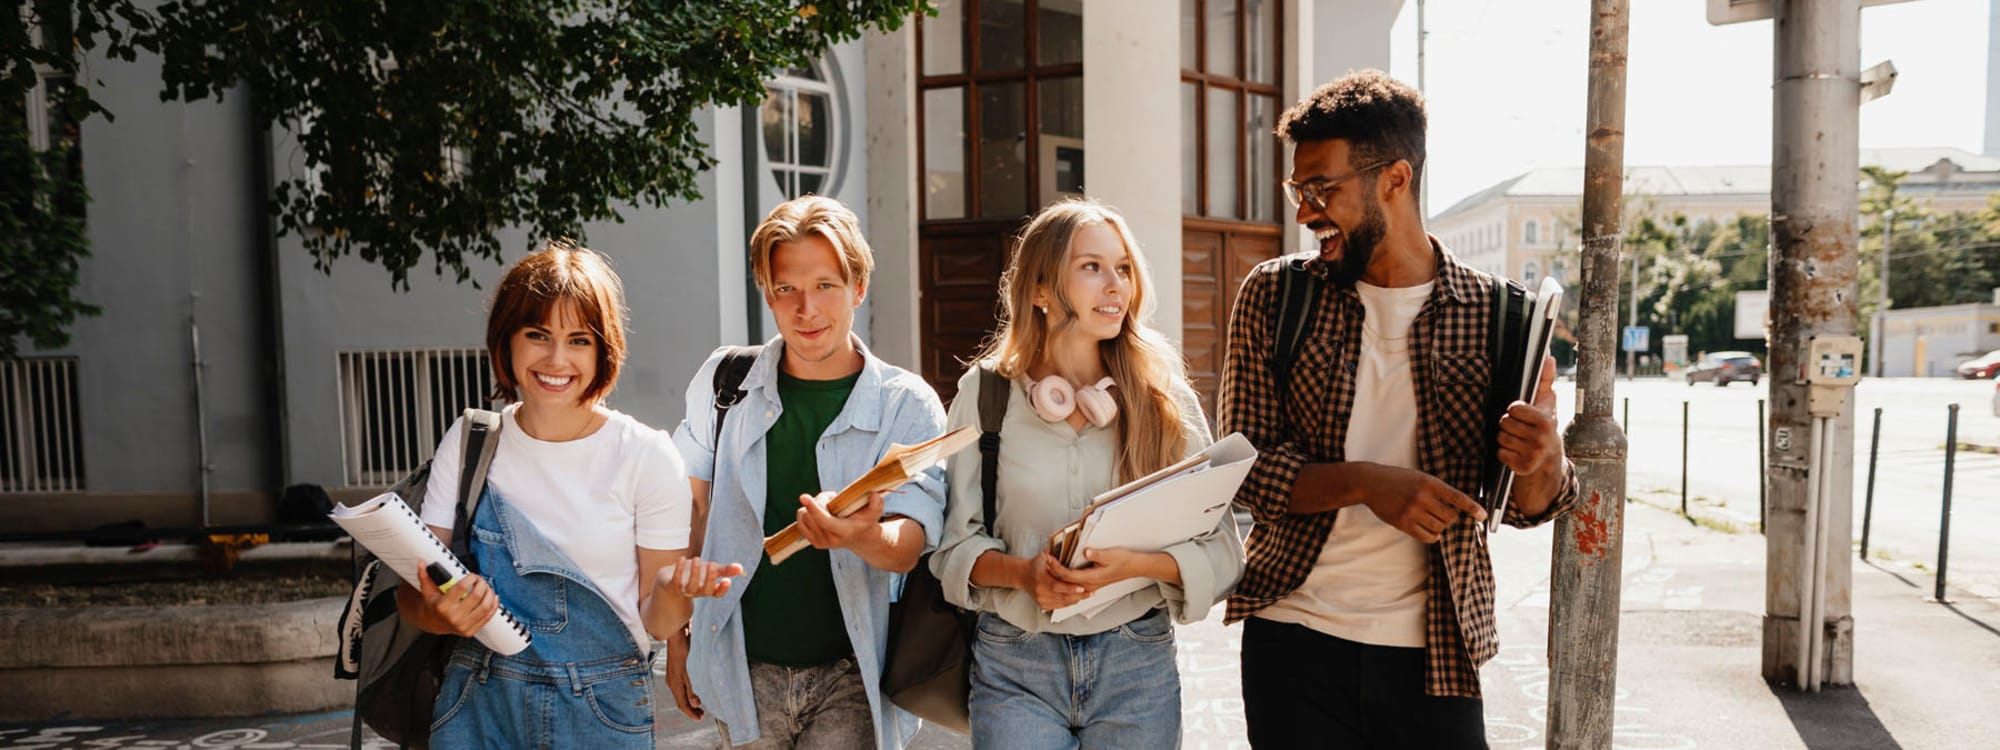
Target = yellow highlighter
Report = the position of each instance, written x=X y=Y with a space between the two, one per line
x=442 y=576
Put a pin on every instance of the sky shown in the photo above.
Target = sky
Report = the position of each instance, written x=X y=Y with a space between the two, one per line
x=1506 y=83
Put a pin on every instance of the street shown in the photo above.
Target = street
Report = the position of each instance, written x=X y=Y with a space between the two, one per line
x=1723 y=469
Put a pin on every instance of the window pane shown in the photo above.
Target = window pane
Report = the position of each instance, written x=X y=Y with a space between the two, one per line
x=1263 y=39
x=944 y=39
x=944 y=153
x=1190 y=48
x=1061 y=115
x=1223 y=176
x=809 y=183
x=774 y=116
x=1263 y=187
x=1221 y=38
x=815 y=119
x=1190 y=150
x=1003 y=150
x=1003 y=35
x=1059 y=39
x=1062 y=107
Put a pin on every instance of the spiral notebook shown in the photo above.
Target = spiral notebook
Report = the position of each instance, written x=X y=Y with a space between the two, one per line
x=392 y=532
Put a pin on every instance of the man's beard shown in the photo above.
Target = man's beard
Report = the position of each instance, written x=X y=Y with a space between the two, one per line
x=1357 y=245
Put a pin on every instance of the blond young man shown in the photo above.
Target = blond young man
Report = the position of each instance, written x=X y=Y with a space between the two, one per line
x=791 y=655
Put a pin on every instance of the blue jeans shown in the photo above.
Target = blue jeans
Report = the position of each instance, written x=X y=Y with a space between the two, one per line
x=582 y=682
x=1039 y=691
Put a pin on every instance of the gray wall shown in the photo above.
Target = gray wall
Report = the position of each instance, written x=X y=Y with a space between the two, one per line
x=666 y=258
x=176 y=238
x=173 y=238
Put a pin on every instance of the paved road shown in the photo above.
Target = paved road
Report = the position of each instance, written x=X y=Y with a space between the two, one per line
x=1723 y=467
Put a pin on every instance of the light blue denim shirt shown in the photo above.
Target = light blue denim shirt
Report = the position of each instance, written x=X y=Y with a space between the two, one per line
x=888 y=405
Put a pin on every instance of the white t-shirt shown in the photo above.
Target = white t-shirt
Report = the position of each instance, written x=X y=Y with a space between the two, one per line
x=1368 y=583
x=597 y=498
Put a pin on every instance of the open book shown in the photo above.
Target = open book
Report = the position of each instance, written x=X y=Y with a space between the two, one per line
x=1183 y=501
x=389 y=529
x=1517 y=374
x=902 y=464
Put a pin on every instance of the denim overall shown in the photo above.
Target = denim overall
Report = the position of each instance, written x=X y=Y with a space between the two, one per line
x=582 y=683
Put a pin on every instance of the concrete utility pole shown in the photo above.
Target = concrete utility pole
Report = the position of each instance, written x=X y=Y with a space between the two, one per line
x=1589 y=542
x=1810 y=475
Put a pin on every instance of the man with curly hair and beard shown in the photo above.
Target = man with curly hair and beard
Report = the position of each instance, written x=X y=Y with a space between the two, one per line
x=1367 y=595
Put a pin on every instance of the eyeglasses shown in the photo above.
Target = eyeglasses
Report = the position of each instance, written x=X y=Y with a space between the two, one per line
x=1313 y=192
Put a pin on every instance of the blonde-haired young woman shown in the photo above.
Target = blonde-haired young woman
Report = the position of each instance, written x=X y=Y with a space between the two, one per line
x=1073 y=300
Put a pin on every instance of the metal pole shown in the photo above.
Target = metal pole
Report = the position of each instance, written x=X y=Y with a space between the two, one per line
x=1684 y=459
x=1816 y=99
x=1944 y=523
x=1627 y=426
x=1589 y=546
x=1882 y=294
x=1868 y=508
x=1762 y=428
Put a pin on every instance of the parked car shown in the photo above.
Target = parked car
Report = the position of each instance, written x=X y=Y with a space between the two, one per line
x=1982 y=368
x=1726 y=367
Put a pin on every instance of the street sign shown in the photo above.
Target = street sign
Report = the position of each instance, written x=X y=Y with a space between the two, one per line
x=1753 y=313
x=1724 y=12
x=1636 y=339
x=1674 y=348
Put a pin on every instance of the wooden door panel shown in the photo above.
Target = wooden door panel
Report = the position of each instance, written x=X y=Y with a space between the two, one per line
x=1215 y=257
x=959 y=303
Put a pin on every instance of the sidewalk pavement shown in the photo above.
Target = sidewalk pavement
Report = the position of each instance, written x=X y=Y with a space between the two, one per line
x=1928 y=675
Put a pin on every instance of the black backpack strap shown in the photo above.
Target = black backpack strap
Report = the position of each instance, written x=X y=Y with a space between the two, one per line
x=1298 y=289
x=728 y=382
x=993 y=392
x=479 y=441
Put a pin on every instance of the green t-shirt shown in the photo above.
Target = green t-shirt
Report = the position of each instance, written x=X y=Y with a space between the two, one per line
x=791 y=613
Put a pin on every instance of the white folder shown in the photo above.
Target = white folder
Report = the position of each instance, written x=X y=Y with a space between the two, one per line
x=1167 y=511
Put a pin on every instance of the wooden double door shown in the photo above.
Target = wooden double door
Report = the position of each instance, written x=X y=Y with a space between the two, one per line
x=961 y=263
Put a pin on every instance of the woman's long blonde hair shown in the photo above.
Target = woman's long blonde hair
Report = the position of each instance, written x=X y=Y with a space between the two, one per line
x=1141 y=361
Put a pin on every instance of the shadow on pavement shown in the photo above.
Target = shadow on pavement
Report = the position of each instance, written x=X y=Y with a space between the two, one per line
x=1983 y=625
x=1836 y=718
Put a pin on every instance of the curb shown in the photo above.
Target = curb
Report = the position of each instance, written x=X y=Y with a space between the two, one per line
x=158 y=662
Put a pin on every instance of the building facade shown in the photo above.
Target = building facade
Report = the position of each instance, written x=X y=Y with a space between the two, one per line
x=1526 y=227
x=225 y=367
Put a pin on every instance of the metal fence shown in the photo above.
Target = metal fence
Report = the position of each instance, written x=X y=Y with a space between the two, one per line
x=396 y=405
x=41 y=440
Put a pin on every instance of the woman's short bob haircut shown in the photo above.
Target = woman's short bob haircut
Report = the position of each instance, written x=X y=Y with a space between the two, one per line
x=562 y=272
x=794 y=220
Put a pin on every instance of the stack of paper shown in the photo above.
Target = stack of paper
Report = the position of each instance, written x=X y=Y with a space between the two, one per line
x=389 y=529
x=902 y=464
x=1170 y=506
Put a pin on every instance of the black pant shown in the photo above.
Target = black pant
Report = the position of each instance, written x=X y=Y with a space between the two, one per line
x=1304 y=688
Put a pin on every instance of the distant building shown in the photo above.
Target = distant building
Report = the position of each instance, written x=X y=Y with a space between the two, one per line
x=1524 y=227
x=1932 y=341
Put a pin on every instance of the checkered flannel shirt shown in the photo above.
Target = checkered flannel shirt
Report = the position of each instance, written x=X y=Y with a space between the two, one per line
x=1308 y=423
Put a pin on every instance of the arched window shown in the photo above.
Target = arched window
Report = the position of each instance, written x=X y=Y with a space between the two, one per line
x=1529 y=232
x=798 y=123
x=1531 y=274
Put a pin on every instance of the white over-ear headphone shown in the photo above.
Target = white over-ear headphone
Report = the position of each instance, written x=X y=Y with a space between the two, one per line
x=1054 y=399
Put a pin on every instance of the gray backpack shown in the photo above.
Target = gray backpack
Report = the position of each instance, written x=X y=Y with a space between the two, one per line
x=397 y=667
